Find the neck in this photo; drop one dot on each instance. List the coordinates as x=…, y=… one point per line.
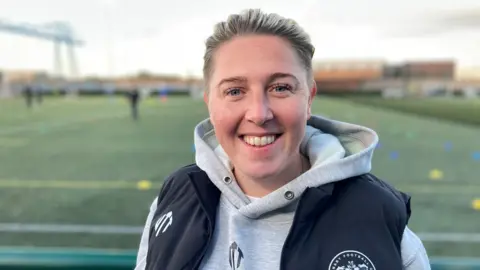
x=264, y=186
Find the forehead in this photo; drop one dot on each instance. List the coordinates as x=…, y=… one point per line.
x=255, y=57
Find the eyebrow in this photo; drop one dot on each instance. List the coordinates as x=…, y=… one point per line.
x=232, y=79
x=280, y=75
x=271, y=78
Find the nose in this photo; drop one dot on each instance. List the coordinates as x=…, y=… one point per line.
x=259, y=111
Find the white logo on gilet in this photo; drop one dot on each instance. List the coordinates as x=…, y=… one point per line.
x=351, y=260
x=163, y=223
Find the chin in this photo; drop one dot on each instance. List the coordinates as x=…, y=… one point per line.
x=262, y=170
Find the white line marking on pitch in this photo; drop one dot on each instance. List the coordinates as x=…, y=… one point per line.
x=61, y=228
x=64, y=184
x=48, y=125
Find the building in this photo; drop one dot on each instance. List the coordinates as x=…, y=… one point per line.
x=23, y=76
x=12, y=82
x=415, y=78
x=429, y=70
x=346, y=76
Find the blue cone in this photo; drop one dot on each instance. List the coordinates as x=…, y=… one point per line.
x=448, y=146
x=394, y=155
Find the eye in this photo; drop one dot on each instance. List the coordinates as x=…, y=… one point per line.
x=233, y=92
x=280, y=88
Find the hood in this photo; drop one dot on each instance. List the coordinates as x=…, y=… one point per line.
x=336, y=151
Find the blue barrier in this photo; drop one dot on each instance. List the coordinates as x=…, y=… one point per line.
x=80, y=259
x=76, y=259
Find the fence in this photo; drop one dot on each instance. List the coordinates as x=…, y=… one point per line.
x=14, y=258
x=60, y=259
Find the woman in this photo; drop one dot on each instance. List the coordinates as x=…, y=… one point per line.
x=269, y=191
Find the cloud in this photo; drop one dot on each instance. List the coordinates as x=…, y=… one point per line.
x=459, y=20
x=436, y=23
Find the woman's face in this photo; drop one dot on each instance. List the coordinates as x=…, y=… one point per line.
x=259, y=102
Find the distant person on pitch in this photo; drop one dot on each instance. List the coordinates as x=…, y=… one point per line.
x=133, y=98
x=28, y=94
x=273, y=186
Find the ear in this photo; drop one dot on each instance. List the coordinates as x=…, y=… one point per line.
x=205, y=97
x=311, y=96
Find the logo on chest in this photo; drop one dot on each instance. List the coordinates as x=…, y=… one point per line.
x=163, y=223
x=235, y=256
x=351, y=260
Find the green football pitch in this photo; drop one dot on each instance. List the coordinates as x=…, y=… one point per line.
x=85, y=162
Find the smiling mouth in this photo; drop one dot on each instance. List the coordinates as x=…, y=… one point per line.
x=260, y=141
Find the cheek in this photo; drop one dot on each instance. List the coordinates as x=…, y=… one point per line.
x=219, y=116
x=294, y=119
x=294, y=113
x=223, y=119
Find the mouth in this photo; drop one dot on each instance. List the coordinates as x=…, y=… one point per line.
x=260, y=141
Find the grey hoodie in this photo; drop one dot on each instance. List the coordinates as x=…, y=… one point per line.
x=336, y=151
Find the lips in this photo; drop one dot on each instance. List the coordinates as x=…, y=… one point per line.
x=260, y=141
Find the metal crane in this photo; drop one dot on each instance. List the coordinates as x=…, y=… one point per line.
x=60, y=33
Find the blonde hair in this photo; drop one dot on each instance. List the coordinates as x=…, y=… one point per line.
x=254, y=21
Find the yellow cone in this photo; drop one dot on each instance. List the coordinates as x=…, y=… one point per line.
x=144, y=185
x=476, y=204
x=435, y=174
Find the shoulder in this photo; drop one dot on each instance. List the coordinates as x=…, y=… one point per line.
x=179, y=181
x=370, y=193
x=180, y=175
x=391, y=196
x=377, y=190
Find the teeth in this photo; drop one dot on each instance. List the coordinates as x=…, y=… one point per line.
x=259, y=141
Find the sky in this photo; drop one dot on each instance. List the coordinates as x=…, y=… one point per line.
x=128, y=36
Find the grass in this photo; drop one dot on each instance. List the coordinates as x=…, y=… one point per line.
x=92, y=141
x=453, y=109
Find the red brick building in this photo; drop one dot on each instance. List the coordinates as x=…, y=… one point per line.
x=429, y=69
x=346, y=76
